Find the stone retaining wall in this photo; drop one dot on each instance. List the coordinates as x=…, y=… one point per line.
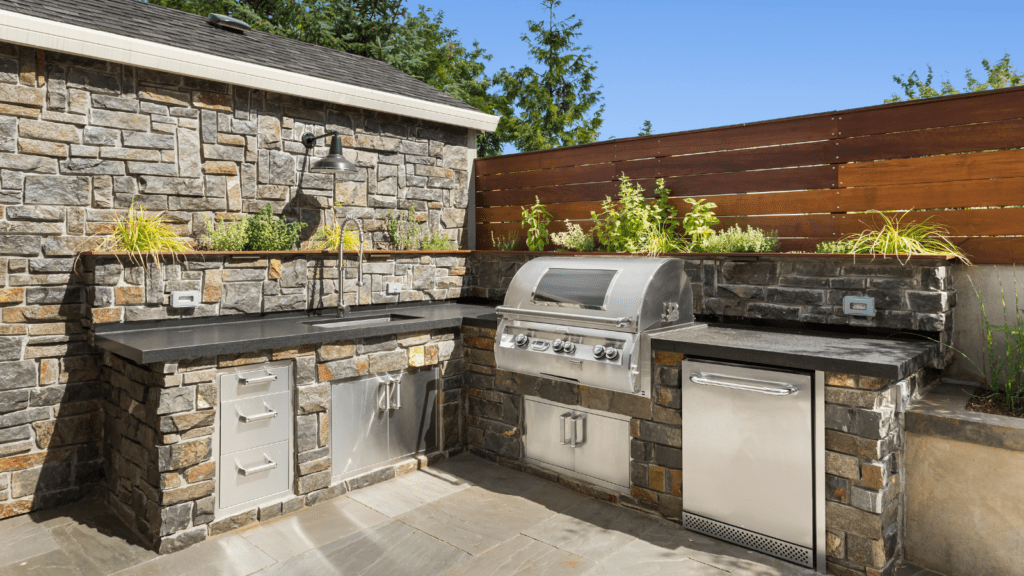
x=161, y=468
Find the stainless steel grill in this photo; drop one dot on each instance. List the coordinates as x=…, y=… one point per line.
x=588, y=320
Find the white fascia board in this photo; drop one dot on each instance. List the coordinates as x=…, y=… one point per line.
x=59, y=37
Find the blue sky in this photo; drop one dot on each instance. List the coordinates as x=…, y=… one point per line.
x=687, y=65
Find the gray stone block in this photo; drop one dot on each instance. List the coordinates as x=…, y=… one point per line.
x=181, y=540
x=175, y=518
x=14, y=375
x=96, y=136
x=57, y=190
x=148, y=140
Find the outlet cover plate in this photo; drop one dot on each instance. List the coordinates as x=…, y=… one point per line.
x=859, y=305
x=393, y=288
x=185, y=299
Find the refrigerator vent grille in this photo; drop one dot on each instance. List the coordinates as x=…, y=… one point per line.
x=748, y=539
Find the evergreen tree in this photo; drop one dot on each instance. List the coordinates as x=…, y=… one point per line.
x=555, y=106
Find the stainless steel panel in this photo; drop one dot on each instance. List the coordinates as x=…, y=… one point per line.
x=602, y=447
x=413, y=428
x=747, y=454
x=253, y=474
x=547, y=434
x=359, y=424
x=254, y=382
x=251, y=422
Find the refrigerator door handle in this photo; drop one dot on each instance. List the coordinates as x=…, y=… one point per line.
x=561, y=427
x=394, y=394
x=747, y=384
x=383, y=392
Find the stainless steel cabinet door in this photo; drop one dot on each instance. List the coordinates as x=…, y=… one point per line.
x=602, y=447
x=413, y=403
x=359, y=427
x=546, y=437
x=747, y=457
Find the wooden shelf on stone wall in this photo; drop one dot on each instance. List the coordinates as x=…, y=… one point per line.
x=280, y=253
x=731, y=255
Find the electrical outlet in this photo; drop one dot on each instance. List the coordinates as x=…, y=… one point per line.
x=859, y=305
x=393, y=288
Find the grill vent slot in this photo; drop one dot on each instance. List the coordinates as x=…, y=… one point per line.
x=748, y=539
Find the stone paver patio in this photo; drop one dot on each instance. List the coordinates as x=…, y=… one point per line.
x=462, y=517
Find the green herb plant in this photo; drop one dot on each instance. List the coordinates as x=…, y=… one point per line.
x=698, y=221
x=140, y=234
x=403, y=229
x=264, y=232
x=574, y=238
x=505, y=243
x=437, y=240
x=536, y=219
x=224, y=234
x=1005, y=372
x=735, y=239
x=898, y=238
x=632, y=224
x=326, y=238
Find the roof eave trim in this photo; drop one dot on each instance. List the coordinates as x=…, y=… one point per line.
x=51, y=35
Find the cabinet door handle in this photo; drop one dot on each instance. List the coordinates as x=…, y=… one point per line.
x=748, y=384
x=383, y=391
x=270, y=465
x=395, y=394
x=574, y=441
x=561, y=427
x=270, y=377
x=268, y=414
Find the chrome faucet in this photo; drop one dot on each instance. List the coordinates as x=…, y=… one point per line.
x=342, y=308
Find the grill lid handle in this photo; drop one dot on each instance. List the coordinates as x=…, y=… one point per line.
x=511, y=311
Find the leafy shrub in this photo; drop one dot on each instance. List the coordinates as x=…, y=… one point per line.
x=326, y=238
x=224, y=235
x=631, y=222
x=834, y=247
x=505, y=243
x=698, y=221
x=735, y=239
x=437, y=240
x=264, y=232
x=536, y=219
x=574, y=239
x=897, y=238
x=140, y=233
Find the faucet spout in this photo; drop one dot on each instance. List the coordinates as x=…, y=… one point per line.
x=342, y=309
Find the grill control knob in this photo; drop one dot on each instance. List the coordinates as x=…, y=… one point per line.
x=556, y=345
x=598, y=351
x=521, y=340
x=611, y=353
x=568, y=347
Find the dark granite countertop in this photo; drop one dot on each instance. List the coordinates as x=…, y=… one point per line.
x=178, y=340
x=801, y=349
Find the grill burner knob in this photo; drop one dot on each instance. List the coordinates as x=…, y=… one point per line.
x=611, y=353
x=521, y=340
x=598, y=351
x=556, y=345
x=568, y=347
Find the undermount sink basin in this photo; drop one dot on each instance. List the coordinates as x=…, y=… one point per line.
x=361, y=321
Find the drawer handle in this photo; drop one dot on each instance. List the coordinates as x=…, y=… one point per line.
x=264, y=416
x=772, y=388
x=270, y=465
x=270, y=377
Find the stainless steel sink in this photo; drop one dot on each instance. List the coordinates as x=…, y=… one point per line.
x=362, y=321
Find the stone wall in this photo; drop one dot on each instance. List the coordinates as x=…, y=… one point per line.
x=161, y=468
x=911, y=295
x=81, y=140
x=863, y=446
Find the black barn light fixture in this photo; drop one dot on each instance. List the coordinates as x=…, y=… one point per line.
x=334, y=162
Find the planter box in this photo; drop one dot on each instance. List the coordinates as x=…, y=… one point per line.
x=965, y=475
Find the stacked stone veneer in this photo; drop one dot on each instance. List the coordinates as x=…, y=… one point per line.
x=915, y=294
x=863, y=443
x=161, y=468
x=83, y=139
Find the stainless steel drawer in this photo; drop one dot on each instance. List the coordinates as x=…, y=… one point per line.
x=255, y=382
x=253, y=474
x=252, y=422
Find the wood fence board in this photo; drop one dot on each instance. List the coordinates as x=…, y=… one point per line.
x=806, y=178
x=787, y=131
x=933, y=113
x=993, y=250
x=950, y=140
x=974, y=166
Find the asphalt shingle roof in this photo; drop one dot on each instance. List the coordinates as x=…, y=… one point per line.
x=142, y=21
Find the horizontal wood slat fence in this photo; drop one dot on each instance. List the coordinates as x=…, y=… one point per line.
x=957, y=160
